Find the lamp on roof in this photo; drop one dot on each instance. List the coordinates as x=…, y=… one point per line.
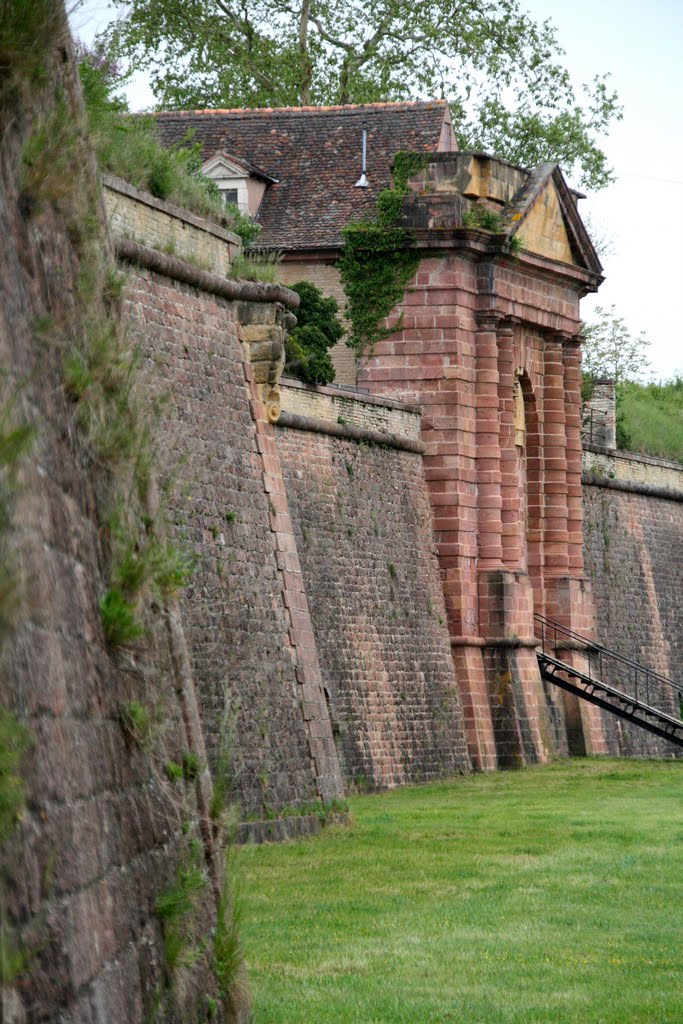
x=363, y=181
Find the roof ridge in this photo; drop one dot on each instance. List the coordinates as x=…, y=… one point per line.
x=306, y=109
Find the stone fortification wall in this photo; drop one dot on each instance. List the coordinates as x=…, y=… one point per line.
x=351, y=408
x=364, y=535
x=633, y=524
x=246, y=620
x=141, y=217
x=104, y=829
x=613, y=467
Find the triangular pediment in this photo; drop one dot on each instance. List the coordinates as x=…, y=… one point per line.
x=544, y=215
x=545, y=232
x=224, y=166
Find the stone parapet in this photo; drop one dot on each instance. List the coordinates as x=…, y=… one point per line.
x=141, y=217
x=349, y=408
x=614, y=467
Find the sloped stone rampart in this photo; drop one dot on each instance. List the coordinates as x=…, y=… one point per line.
x=364, y=535
x=239, y=612
x=100, y=837
x=633, y=524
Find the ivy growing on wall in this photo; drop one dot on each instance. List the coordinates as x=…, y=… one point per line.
x=379, y=259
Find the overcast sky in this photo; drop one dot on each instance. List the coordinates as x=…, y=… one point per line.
x=640, y=44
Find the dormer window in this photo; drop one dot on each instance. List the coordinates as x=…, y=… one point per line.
x=239, y=181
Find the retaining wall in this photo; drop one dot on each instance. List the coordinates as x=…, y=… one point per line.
x=246, y=620
x=364, y=534
x=141, y=217
x=633, y=546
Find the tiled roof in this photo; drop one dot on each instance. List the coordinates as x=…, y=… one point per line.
x=315, y=153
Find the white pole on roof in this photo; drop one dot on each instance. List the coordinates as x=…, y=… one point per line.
x=363, y=181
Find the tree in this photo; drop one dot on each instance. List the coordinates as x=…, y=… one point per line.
x=610, y=350
x=317, y=330
x=500, y=70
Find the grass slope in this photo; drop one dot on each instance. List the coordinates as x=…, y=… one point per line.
x=650, y=418
x=546, y=895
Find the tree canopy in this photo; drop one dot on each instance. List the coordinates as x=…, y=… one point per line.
x=501, y=71
x=611, y=351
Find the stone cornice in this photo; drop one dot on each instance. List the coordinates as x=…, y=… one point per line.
x=187, y=273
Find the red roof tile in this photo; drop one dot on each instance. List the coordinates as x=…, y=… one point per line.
x=315, y=153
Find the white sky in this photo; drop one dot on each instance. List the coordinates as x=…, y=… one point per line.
x=642, y=46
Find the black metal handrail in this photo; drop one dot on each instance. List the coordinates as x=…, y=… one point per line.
x=642, y=680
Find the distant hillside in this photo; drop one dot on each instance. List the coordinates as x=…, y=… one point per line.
x=650, y=418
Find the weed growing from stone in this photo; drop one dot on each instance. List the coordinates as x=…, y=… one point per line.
x=178, y=908
x=119, y=618
x=15, y=742
x=174, y=771
x=16, y=439
x=259, y=265
x=138, y=722
x=227, y=948
x=191, y=766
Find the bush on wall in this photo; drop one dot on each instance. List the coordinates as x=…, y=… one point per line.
x=317, y=330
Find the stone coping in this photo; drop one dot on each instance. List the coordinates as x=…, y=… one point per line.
x=187, y=273
x=115, y=184
x=648, y=460
x=348, y=432
x=632, y=487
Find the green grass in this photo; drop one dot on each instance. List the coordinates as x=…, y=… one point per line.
x=650, y=418
x=546, y=895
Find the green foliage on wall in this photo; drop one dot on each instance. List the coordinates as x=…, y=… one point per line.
x=317, y=330
x=379, y=259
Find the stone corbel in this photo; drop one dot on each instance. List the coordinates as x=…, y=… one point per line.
x=263, y=339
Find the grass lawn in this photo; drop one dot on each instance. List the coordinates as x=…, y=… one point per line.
x=549, y=894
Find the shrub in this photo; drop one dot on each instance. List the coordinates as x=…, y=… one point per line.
x=317, y=330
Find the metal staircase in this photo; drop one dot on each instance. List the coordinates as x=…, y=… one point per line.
x=641, y=696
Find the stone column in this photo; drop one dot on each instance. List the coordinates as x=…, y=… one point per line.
x=569, y=598
x=555, y=539
x=511, y=498
x=571, y=351
x=489, y=498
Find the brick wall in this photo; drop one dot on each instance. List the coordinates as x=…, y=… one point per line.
x=634, y=557
x=337, y=406
x=237, y=611
x=363, y=530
